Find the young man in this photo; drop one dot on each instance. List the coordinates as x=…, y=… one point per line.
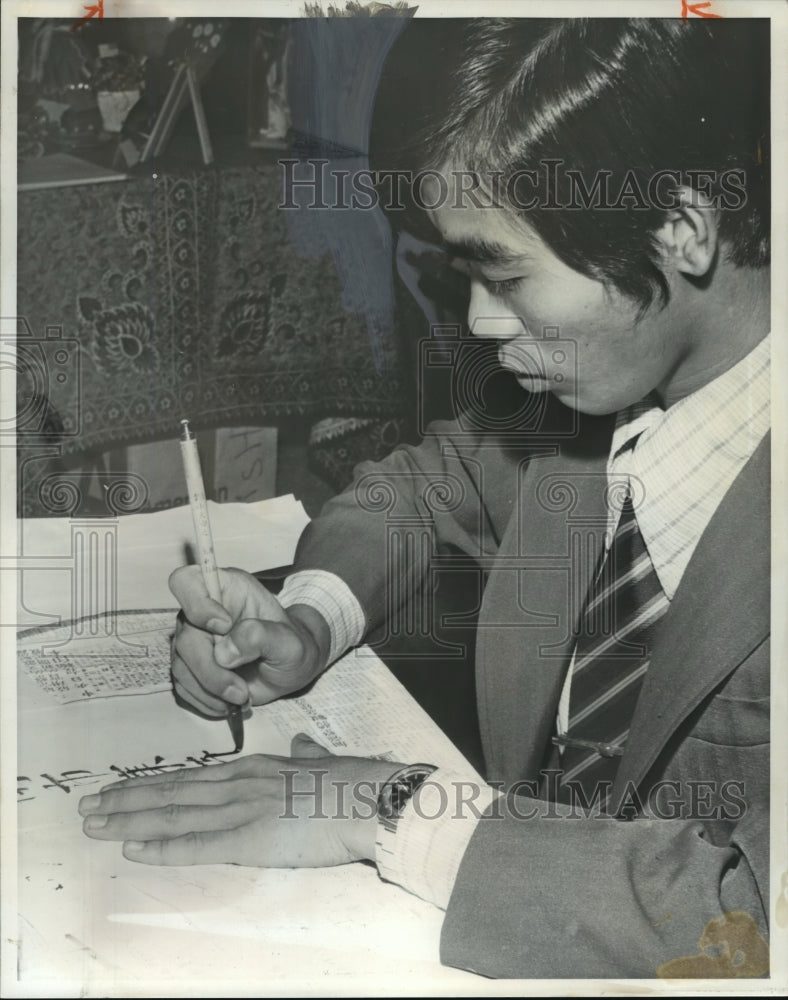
x=620, y=197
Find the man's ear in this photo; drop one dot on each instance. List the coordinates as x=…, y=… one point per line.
x=688, y=237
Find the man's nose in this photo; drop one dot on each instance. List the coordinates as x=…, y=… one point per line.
x=489, y=319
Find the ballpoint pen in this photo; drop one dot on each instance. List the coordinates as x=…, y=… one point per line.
x=204, y=539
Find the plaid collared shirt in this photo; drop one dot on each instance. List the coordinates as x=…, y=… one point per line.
x=686, y=458
x=682, y=464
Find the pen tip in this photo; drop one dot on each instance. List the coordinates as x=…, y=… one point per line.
x=236, y=720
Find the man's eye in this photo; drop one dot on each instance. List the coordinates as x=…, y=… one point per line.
x=502, y=287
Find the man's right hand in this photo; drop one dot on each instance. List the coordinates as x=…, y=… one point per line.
x=247, y=647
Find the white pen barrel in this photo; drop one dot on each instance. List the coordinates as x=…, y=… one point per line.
x=202, y=526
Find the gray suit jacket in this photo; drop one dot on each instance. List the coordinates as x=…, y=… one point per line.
x=558, y=895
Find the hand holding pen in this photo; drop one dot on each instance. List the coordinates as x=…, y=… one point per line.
x=210, y=573
x=230, y=622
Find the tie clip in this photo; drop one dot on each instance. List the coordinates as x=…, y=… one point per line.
x=603, y=749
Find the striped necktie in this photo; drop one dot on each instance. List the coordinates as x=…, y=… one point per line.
x=624, y=604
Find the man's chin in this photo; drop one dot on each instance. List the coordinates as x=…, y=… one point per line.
x=570, y=396
x=574, y=399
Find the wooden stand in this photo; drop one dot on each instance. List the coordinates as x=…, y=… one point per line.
x=185, y=81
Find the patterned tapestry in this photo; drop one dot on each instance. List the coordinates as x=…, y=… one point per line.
x=182, y=295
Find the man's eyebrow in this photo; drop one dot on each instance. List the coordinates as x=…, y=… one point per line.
x=483, y=251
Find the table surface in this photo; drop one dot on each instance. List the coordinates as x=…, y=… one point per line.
x=99, y=925
x=94, y=923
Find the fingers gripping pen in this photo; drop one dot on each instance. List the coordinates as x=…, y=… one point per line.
x=204, y=540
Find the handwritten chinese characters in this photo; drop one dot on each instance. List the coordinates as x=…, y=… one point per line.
x=29, y=788
x=135, y=659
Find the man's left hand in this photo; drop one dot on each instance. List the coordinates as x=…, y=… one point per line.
x=312, y=810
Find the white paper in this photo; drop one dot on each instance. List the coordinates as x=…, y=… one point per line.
x=139, y=551
x=89, y=916
x=110, y=654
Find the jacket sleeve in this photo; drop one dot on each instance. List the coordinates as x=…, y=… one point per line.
x=541, y=894
x=378, y=536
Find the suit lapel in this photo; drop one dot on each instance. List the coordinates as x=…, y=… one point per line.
x=532, y=599
x=720, y=612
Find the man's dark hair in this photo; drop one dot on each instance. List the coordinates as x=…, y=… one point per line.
x=630, y=97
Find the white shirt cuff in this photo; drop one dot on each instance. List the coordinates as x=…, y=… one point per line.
x=432, y=834
x=331, y=597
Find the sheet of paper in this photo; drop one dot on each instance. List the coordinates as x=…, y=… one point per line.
x=124, y=652
x=359, y=707
x=89, y=917
x=355, y=707
x=109, y=928
x=58, y=556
